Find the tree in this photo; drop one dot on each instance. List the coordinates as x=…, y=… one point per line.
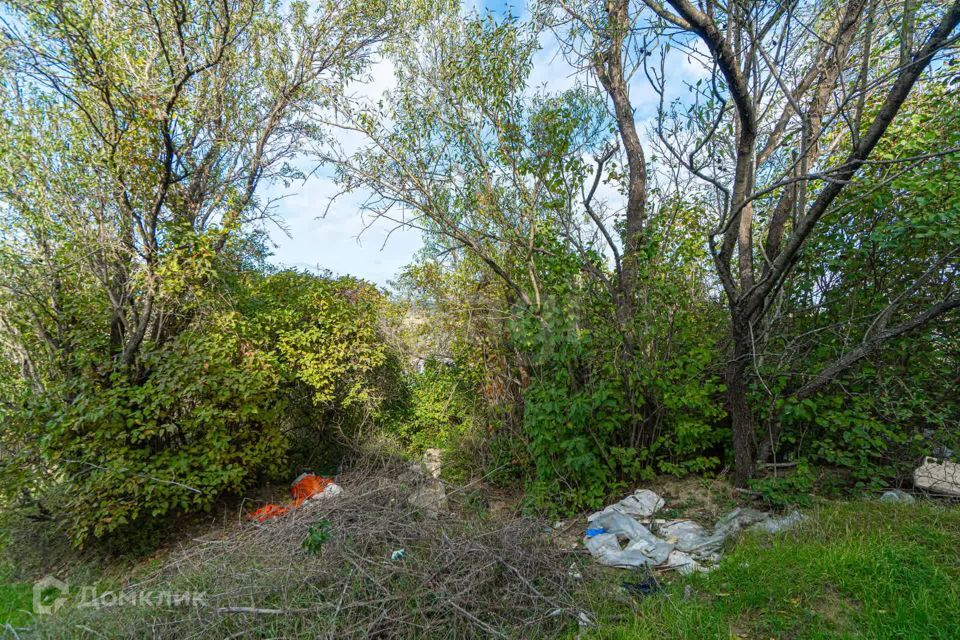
x=133, y=140
x=504, y=180
x=792, y=88
x=882, y=258
x=459, y=152
x=138, y=134
x=791, y=102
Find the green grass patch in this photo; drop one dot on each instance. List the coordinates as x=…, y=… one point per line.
x=16, y=601
x=854, y=570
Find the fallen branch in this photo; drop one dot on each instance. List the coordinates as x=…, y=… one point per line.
x=258, y=610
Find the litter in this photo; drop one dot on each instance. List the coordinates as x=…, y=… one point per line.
x=427, y=495
x=690, y=538
x=643, y=548
x=267, y=512
x=616, y=539
x=583, y=619
x=643, y=504
x=306, y=487
x=739, y=518
x=896, y=495
x=939, y=476
x=778, y=524
x=399, y=554
x=638, y=553
x=683, y=563
x=643, y=588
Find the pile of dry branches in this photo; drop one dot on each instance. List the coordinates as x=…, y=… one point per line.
x=457, y=577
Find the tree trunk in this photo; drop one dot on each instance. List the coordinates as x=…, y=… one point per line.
x=740, y=417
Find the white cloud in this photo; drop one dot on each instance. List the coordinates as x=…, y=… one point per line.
x=551, y=72
x=327, y=234
x=338, y=241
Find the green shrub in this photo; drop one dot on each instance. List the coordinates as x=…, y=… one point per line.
x=574, y=411
x=792, y=489
x=204, y=421
x=209, y=412
x=339, y=376
x=317, y=536
x=438, y=412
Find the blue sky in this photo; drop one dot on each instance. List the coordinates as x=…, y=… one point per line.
x=341, y=241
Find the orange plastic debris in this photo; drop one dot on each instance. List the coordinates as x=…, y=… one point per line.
x=302, y=489
x=307, y=486
x=267, y=512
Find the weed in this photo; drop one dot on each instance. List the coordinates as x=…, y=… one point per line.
x=317, y=535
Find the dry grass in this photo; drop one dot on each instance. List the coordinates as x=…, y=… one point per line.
x=461, y=577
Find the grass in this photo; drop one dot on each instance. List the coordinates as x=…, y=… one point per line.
x=16, y=601
x=854, y=570
x=30, y=550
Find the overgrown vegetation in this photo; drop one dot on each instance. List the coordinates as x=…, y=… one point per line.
x=728, y=244
x=161, y=363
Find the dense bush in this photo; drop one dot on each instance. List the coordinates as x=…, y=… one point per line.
x=576, y=302
x=210, y=412
x=203, y=421
x=597, y=418
x=575, y=410
x=326, y=336
x=565, y=410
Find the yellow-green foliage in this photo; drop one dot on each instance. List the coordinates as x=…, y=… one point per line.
x=326, y=334
x=439, y=411
x=203, y=421
x=207, y=411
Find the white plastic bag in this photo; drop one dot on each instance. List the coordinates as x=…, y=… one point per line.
x=940, y=476
x=643, y=503
x=642, y=548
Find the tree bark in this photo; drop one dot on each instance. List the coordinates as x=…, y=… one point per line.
x=741, y=420
x=610, y=72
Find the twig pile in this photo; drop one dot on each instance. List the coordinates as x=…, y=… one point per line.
x=457, y=577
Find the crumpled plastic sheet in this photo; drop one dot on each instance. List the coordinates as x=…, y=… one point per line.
x=616, y=539
x=778, y=524
x=642, y=504
x=683, y=563
x=897, y=496
x=643, y=548
x=939, y=476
